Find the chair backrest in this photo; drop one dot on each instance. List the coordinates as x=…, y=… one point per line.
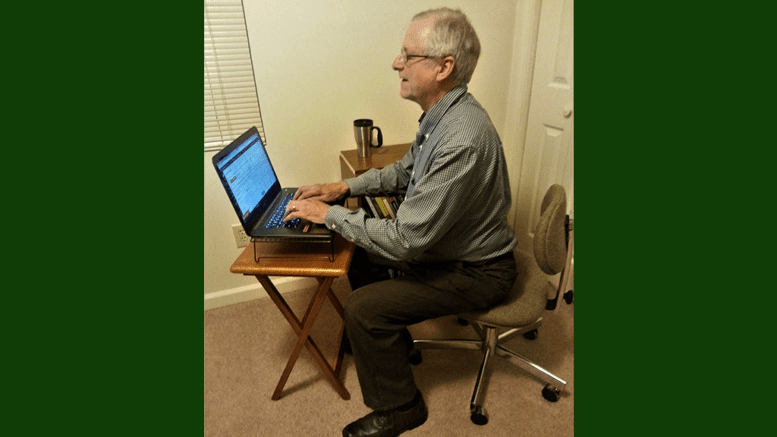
x=550, y=245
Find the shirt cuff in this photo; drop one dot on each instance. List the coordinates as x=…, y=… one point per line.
x=357, y=187
x=335, y=218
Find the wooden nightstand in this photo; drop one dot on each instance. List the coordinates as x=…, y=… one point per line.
x=352, y=166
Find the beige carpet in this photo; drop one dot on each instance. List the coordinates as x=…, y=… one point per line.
x=247, y=346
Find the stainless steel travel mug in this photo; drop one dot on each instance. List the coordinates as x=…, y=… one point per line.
x=362, y=132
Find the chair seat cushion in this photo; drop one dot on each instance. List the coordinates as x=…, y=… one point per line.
x=526, y=301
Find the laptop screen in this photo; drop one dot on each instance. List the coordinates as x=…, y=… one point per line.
x=248, y=176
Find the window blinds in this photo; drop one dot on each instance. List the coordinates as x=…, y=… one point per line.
x=231, y=101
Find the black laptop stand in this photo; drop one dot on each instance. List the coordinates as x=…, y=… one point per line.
x=289, y=249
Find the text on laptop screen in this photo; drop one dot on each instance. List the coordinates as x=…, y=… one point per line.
x=239, y=167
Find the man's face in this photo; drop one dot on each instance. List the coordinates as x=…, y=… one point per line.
x=418, y=75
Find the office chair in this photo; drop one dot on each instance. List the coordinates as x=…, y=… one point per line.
x=521, y=312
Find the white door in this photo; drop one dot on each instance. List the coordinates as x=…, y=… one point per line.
x=549, y=150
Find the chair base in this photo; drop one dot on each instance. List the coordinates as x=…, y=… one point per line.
x=490, y=345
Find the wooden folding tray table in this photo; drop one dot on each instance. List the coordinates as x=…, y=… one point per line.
x=323, y=261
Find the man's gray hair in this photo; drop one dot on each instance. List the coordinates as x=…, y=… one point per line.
x=453, y=35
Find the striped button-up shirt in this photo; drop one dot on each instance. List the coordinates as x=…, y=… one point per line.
x=457, y=191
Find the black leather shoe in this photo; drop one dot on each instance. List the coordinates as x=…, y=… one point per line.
x=389, y=423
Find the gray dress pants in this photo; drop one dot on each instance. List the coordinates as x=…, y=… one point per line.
x=379, y=310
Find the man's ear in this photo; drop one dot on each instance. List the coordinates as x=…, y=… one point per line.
x=446, y=68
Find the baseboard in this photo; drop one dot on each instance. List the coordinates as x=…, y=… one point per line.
x=249, y=292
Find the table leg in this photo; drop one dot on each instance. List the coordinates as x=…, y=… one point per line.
x=335, y=302
x=303, y=332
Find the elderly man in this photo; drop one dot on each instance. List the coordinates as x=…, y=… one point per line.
x=450, y=237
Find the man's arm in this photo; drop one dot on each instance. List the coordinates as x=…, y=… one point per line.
x=440, y=197
x=311, y=201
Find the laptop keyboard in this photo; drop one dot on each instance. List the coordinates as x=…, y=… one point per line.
x=276, y=221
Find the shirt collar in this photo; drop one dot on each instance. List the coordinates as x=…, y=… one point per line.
x=429, y=119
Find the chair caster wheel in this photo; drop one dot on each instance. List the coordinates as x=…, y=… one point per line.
x=530, y=335
x=569, y=297
x=479, y=416
x=551, y=393
x=415, y=358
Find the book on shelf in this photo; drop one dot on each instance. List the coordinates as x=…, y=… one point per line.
x=383, y=207
x=373, y=211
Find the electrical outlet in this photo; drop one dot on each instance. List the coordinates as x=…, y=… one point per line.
x=241, y=239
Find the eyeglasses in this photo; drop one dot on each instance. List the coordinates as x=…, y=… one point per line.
x=405, y=56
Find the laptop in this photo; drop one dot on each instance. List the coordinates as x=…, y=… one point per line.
x=249, y=178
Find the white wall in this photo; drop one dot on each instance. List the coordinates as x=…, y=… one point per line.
x=319, y=64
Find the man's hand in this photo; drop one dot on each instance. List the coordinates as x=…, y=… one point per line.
x=327, y=193
x=310, y=202
x=311, y=210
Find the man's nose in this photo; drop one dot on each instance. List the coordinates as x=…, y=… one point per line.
x=397, y=63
